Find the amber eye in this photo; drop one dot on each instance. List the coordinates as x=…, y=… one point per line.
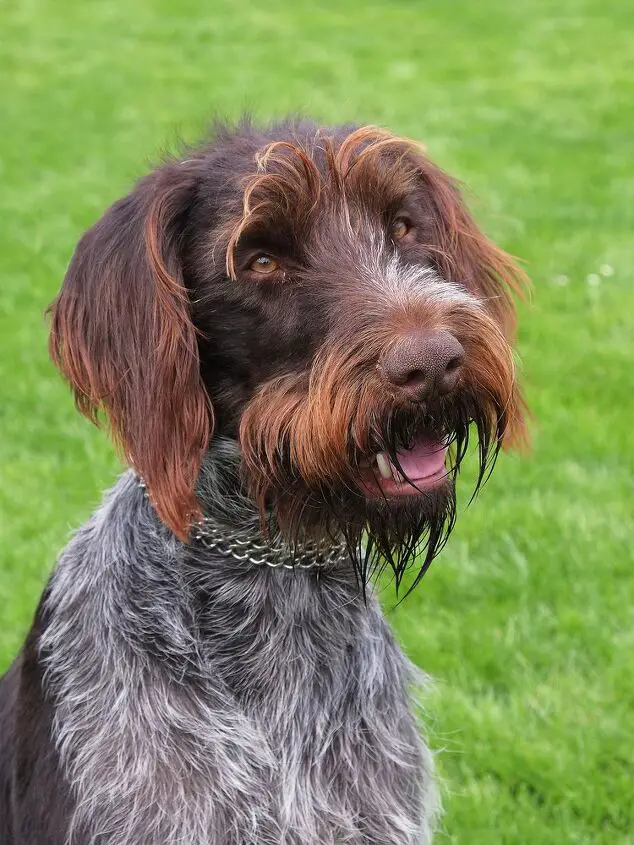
x=399, y=229
x=263, y=264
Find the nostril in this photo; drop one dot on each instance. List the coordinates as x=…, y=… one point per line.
x=416, y=377
x=448, y=380
x=403, y=376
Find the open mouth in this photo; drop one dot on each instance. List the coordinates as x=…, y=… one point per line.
x=419, y=468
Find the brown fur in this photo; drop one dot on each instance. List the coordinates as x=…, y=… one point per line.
x=139, y=359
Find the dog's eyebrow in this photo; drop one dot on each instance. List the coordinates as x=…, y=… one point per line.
x=265, y=238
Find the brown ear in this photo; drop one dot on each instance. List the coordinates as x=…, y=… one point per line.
x=122, y=335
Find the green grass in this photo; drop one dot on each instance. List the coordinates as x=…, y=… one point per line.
x=527, y=620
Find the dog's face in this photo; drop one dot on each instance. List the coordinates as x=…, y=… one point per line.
x=324, y=298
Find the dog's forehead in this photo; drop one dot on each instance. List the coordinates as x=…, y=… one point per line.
x=306, y=183
x=367, y=168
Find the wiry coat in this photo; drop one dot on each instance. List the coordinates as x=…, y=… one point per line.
x=296, y=328
x=196, y=701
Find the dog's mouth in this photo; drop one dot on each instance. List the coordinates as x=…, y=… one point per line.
x=409, y=471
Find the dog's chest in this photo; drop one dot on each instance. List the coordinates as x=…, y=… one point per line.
x=268, y=708
x=322, y=686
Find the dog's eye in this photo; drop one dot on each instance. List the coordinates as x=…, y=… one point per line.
x=264, y=264
x=399, y=229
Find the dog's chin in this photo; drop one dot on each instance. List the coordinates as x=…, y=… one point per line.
x=394, y=512
x=407, y=519
x=394, y=508
x=400, y=525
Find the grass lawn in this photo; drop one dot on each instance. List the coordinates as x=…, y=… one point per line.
x=527, y=620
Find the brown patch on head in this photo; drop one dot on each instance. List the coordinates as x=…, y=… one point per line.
x=290, y=183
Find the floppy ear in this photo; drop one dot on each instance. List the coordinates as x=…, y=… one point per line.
x=122, y=335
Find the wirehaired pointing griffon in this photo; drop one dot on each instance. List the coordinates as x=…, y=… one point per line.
x=293, y=333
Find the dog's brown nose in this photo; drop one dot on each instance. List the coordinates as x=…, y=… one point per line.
x=423, y=363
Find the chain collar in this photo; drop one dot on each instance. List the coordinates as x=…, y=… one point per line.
x=251, y=547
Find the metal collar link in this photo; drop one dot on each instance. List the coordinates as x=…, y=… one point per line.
x=249, y=546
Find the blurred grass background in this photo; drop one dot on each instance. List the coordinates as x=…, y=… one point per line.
x=527, y=620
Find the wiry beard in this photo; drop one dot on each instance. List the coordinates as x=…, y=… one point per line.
x=399, y=534
x=307, y=438
x=405, y=534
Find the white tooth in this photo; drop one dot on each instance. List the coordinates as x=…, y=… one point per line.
x=384, y=465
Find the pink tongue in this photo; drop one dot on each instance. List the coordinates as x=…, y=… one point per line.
x=425, y=458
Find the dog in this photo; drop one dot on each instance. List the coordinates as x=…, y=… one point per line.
x=292, y=333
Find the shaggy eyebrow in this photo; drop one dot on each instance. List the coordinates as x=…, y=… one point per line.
x=264, y=239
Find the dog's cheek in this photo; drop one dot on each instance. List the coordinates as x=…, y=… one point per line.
x=248, y=338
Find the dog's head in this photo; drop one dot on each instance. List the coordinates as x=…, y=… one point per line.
x=321, y=296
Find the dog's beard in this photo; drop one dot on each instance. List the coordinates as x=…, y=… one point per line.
x=401, y=534
x=394, y=534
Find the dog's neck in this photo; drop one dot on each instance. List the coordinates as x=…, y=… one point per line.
x=219, y=488
x=233, y=527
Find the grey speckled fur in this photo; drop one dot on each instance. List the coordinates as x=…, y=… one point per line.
x=202, y=702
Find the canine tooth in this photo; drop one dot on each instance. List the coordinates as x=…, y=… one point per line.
x=384, y=465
